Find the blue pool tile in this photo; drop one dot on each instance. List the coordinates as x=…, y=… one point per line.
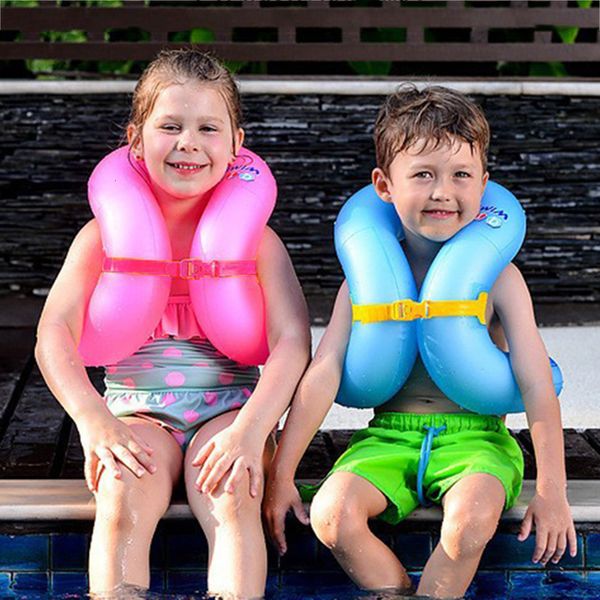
x=301, y=552
x=75, y=582
x=505, y=552
x=413, y=549
x=157, y=552
x=318, y=585
x=554, y=585
x=593, y=550
x=490, y=585
x=157, y=581
x=69, y=551
x=24, y=552
x=4, y=584
x=30, y=582
x=186, y=582
x=186, y=551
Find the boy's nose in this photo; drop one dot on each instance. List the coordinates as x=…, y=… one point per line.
x=441, y=191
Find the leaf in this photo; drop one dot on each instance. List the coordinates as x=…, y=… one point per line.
x=371, y=67
x=201, y=36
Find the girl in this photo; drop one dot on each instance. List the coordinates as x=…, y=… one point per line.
x=185, y=126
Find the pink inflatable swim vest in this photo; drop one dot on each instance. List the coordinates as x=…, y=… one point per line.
x=133, y=288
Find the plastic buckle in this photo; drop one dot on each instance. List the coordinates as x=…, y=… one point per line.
x=409, y=310
x=191, y=268
x=214, y=268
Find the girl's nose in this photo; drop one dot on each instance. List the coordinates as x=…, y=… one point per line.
x=187, y=142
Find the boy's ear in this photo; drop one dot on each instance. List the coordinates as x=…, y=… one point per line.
x=381, y=184
x=484, y=180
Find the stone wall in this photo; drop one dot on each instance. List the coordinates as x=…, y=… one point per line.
x=544, y=149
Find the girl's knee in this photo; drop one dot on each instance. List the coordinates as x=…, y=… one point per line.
x=237, y=505
x=336, y=522
x=124, y=504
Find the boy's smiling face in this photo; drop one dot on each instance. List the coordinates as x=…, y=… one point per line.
x=436, y=191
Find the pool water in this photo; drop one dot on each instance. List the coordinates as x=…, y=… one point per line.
x=514, y=585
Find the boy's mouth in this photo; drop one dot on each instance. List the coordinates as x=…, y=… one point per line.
x=440, y=214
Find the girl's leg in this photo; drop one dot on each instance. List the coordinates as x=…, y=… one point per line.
x=472, y=508
x=128, y=510
x=339, y=515
x=237, y=562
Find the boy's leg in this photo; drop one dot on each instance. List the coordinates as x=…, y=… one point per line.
x=237, y=563
x=339, y=516
x=472, y=508
x=128, y=510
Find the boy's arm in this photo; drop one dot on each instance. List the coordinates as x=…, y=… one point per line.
x=549, y=509
x=312, y=401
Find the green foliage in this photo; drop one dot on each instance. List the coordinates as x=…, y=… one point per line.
x=385, y=35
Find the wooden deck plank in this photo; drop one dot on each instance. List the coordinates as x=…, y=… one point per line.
x=31, y=440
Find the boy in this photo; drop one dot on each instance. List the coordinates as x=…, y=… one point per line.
x=431, y=149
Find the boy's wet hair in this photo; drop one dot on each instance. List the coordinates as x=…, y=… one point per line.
x=179, y=66
x=434, y=114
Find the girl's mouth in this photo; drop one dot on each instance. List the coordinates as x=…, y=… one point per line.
x=186, y=167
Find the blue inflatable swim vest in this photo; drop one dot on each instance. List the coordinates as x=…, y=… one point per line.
x=457, y=351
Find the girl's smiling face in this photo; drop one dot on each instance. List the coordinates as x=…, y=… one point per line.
x=187, y=141
x=436, y=190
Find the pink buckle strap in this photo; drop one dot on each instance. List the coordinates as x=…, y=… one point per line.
x=188, y=268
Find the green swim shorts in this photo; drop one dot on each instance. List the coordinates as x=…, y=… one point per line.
x=387, y=454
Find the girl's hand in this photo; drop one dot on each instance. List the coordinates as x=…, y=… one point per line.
x=230, y=452
x=281, y=496
x=554, y=528
x=106, y=443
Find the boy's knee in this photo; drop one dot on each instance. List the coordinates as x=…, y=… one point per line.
x=334, y=522
x=466, y=531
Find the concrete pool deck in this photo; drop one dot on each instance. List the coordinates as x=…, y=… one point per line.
x=577, y=351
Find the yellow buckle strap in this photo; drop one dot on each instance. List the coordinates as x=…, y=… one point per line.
x=409, y=310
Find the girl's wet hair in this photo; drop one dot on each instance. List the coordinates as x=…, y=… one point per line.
x=178, y=66
x=434, y=115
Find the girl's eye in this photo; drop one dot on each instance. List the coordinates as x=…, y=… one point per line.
x=423, y=174
x=170, y=127
x=208, y=128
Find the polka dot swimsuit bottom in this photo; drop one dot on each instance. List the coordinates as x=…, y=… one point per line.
x=179, y=384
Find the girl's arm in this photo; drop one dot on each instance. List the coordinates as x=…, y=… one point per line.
x=312, y=401
x=241, y=445
x=549, y=509
x=105, y=439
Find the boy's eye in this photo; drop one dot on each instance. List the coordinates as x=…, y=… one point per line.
x=423, y=174
x=462, y=174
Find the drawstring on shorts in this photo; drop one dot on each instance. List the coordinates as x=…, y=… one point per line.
x=432, y=432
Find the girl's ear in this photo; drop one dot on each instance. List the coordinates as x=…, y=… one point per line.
x=381, y=184
x=238, y=140
x=135, y=141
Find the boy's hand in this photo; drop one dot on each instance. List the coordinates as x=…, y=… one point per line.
x=231, y=453
x=280, y=497
x=554, y=528
x=107, y=442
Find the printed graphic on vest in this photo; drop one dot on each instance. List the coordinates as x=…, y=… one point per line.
x=242, y=167
x=494, y=217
